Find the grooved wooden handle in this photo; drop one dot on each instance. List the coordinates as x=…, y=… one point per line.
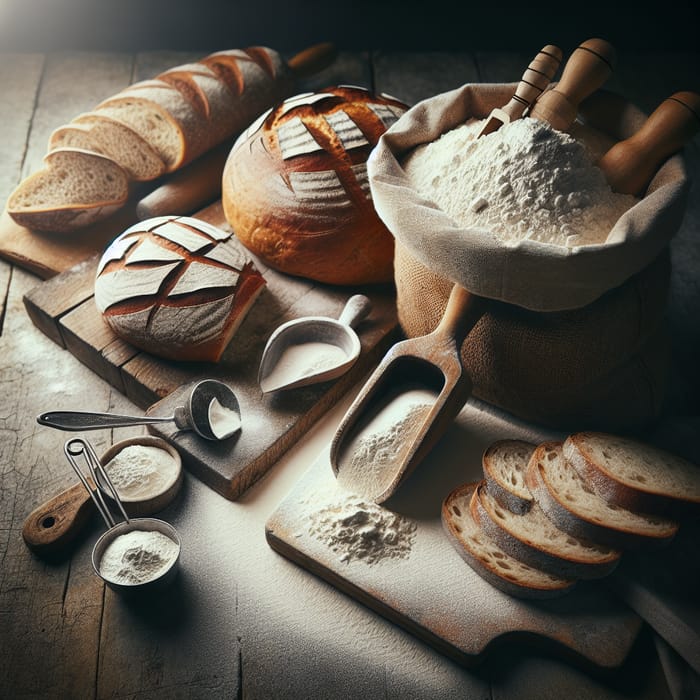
x=535, y=79
x=630, y=165
x=54, y=524
x=589, y=66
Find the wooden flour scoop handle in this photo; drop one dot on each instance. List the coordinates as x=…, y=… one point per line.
x=589, y=66
x=199, y=183
x=630, y=165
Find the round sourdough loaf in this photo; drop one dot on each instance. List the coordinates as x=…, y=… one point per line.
x=176, y=287
x=295, y=187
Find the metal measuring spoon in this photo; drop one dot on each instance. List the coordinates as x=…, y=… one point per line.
x=312, y=349
x=211, y=410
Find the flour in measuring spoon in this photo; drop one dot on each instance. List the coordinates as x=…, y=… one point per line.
x=140, y=472
x=368, y=464
x=137, y=557
x=223, y=421
x=302, y=360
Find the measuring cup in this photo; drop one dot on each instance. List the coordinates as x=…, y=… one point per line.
x=211, y=410
x=164, y=569
x=312, y=349
x=53, y=525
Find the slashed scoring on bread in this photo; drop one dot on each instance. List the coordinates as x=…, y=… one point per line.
x=177, y=287
x=295, y=187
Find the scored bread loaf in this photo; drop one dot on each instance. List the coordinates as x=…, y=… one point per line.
x=111, y=138
x=571, y=503
x=176, y=287
x=487, y=559
x=503, y=464
x=295, y=187
x=179, y=115
x=535, y=540
x=632, y=474
x=76, y=188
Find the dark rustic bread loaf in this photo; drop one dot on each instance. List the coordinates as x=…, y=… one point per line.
x=572, y=504
x=176, y=287
x=295, y=187
x=632, y=474
x=487, y=559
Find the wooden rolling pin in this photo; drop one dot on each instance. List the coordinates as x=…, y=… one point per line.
x=535, y=79
x=589, y=66
x=188, y=190
x=630, y=165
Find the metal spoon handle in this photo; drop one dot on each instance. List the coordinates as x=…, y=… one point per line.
x=86, y=420
x=356, y=309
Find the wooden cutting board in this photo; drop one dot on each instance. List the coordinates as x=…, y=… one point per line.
x=63, y=308
x=432, y=592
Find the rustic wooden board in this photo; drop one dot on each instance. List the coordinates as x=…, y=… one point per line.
x=63, y=308
x=433, y=593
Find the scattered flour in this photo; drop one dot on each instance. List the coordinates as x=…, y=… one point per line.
x=138, y=557
x=526, y=180
x=356, y=530
x=141, y=471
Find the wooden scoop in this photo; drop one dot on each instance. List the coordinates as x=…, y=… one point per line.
x=534, y=81
x=630, y=165
x=589, y=66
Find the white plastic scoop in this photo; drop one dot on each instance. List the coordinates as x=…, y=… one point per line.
x=312, y=349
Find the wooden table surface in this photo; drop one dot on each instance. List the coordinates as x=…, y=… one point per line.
x=241, y=621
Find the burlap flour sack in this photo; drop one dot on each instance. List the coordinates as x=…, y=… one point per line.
x=581, y=341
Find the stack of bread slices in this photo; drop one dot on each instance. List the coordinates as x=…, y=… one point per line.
x=147, y=130
x=546, y=516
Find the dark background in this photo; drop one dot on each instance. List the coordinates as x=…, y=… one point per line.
x=42, y=25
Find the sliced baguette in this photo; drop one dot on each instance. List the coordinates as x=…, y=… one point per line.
x=572, y=504
x=633, y=475
x=111, y=138
x=504, y=463
x=487, y=559
x=76, y=188
x=535, y=540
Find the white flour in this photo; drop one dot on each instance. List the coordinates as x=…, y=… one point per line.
x=223, y=421
x=368, y=463
x=139, y=472
x=356, y=530
x=138, y=557
x=526, y=180
x=301, y=360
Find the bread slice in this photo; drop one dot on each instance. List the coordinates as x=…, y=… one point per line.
x=572, y=504
x=504, y=463
x=490, y=561
x=632, y=474
x=535, y=540
x=111, y=138
x=76, y=188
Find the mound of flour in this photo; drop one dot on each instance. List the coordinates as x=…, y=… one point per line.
x=526, y=180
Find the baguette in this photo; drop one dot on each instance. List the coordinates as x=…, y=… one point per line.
x=574, y=507
x=180, y=114
x=504, y=463
x=487, y=559
x=633, y=475
x=76, y=188
x=535, y=540
x=113, y=139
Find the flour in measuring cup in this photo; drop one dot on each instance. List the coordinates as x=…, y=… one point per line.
x=524, y=181
x=137, y=557
x=139, y=472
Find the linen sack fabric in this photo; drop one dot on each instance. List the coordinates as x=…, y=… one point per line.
x=574, y=338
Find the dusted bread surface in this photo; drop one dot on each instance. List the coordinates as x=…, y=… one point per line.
x=176, y=287
x=295, y=187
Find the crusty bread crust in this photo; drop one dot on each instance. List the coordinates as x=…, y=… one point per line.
x=504, y=463
x=532, y=538
x=643, y=492
x=487, y=559
x=576, y=514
